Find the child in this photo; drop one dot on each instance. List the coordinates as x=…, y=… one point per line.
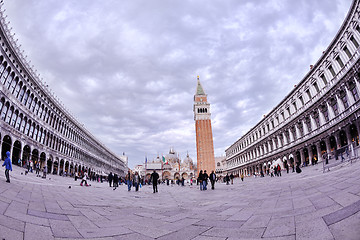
x=8, y=166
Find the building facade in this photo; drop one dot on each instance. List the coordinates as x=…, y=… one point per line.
x=318, y=118
x=171, y=167
x=204, y=137
x=35, y=126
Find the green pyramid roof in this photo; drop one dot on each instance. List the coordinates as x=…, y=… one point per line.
x=199, y=88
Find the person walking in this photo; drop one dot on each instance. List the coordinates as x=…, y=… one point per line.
x=128, y=179
x=45, y=169
x=31, y=166
x=136, y=181
x=200, y=180
x=232, y=178
x=37, y=169
x=115, y=181
x=212, y=180
x=8, y=166
x=279, y=170
x=84, y=179
x=205, y=179
x=242, y=177
x=154, y=178
x=110, y=178
x=227, y=179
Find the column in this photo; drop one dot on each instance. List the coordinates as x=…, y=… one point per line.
x=340, y=104
x=305, y=127
x=328, y=149
x=330, y=111
x=302, y=156
x=348, y=135
x=274, y=145
x=313, y=123
x=52, y=167
x=318, y=149
x=279, y=141
x=291, y=135
x=321, y=117
x=284, y=138
x=297, y=131
x=349, y=96
x=311, y=155
x=357, y=85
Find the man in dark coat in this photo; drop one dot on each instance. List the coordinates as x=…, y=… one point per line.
x=110, y=178
x=212, y=180
x=154, y=180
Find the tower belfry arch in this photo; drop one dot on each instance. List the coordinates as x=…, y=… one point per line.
x=203, y=129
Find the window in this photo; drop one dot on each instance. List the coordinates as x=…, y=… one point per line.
x=353, y=40
x=308, y=94
x=316, y=87
x=346, y=50
x=338, y=59
x=295, y=107
x=301, y=100
x=332, y=71
x=335, y=106
x=18, y=122
x=344, y=99
x=8, y=115
x=324, y=79
x=355, y=93
x=288, y=110
x=3, y=114
x=283, y=116
x=325, y=113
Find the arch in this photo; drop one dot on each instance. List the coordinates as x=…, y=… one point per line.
x=354, y=135
x=42, y=160
x=185, y=175
x=342, y=138
x=61, y=166
x=67, y=167
x=35, y=156
x=176, y=176
x=56, y=167
x=26, y=154
x=16, y=153
x=49, y=164
x=6, y=146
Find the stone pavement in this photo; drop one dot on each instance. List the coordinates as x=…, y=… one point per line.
x=310, y=205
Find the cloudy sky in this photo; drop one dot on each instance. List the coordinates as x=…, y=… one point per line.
x=127, y=69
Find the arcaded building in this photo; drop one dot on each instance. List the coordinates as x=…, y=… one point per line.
x=318, y=118
x=35, y=126
x=203, y=129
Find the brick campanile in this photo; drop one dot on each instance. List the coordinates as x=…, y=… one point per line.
x=204, y=137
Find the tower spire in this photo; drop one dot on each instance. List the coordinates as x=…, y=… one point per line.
x=199, y=88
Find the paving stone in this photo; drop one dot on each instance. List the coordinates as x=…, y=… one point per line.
x=47, y=215
x=12, y=223
x=342, y=213
x=63, y=229
x=187, y=233
x=235, y=232
x=9, y=234
x=36, y=232
x=347, y=229
x=316, y=229
x=133, y=236
x=103, y=232
x=280, y=227
x=257, y=221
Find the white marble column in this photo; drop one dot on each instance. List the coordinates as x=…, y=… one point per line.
x=312, y=123
x=305, y=127
x=340, y=104
x=349, y=96
x=330, y=111
x=321, y=117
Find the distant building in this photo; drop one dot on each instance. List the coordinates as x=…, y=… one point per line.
x=170, y=167
x=220, y=166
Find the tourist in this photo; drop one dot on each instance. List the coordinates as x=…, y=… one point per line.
x=136, y=180
x=287, y=167
x=115, y=181
x=205, y=179
x=31, y=166
x=232, y=178
x=76, y=176
x=227, y=179
x=128, y=179
x=110, y=178
x=8, y=166
x=212, y=180
x=154, y=178
x=37, y=169
x=200, y=180
x=279, y=170
x=242, y=177
x=298, y=170
x=84, y=179
x=45, y=169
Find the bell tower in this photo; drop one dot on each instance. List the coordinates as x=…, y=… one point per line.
x=204, y=137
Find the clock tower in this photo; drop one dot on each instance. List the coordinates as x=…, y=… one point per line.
x=204, y=137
